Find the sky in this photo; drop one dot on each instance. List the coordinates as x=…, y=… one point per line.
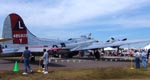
x=64, y=19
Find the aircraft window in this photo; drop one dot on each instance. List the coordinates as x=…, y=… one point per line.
x=124, y=39
x=54, y=46
x=63, y=44
x=45, y=46
x=89, y=38
x=69, y=39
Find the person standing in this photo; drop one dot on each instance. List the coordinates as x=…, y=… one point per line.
x=45, y=59
x=1, y=49
x=148, y=55
x=26, y=56
x=144, y=56
x=97, y=54
x=137, y=59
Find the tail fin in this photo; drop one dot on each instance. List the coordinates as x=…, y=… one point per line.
x=15, y=28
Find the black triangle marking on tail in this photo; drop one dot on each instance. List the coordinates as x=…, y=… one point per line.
x=19, y=25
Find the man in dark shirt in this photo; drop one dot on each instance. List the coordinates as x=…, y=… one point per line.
x=148, y=54
x=97, y=54
x=26, y=56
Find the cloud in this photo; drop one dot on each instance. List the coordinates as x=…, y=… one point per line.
x=141, y=21
x=67, y=16
x=60, y=34
x=60, y=14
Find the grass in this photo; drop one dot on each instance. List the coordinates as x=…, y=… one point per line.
x=111, y=73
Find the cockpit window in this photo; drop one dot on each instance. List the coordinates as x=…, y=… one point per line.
x=69, y=39
x=63, y=44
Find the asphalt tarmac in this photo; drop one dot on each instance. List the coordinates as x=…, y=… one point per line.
x=8, y=64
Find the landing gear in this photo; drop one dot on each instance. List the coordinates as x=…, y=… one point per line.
x=71, y=54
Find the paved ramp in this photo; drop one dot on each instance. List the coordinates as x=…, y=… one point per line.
x=8, y=63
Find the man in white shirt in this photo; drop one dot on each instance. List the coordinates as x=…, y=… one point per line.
x=45, y=59
x=144, y=56
x=137, y=59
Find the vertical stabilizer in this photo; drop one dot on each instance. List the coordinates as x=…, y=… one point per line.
x=15, y=28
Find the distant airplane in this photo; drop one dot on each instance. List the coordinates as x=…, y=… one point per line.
x=114, y=43
x=15, y=28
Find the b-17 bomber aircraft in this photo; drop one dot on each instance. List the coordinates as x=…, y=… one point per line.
x=15, y=29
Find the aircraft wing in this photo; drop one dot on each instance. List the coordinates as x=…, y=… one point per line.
x=5, y=39
x=76, y=48
x=117, y=43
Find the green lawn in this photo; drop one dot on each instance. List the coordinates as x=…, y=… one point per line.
x=111, y=73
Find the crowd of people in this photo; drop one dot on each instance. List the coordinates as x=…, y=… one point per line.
x=141, y=56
